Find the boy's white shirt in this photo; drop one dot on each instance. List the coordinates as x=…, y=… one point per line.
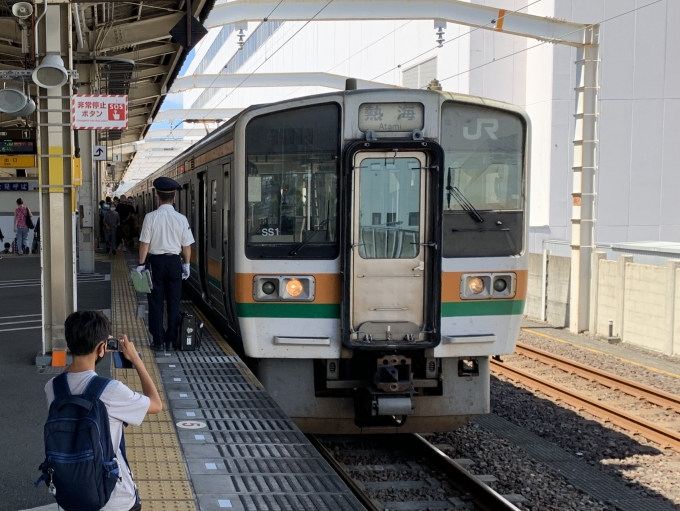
x=122, y=405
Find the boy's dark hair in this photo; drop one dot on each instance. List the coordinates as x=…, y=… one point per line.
x=84, y=331
x=166, y=196
x=7, y=245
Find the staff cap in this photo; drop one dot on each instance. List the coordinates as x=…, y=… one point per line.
x=165, y=184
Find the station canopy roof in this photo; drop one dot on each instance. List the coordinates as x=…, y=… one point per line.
x=130, y=46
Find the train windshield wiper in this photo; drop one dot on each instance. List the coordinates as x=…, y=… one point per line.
x=452, y=191
x=310, y=237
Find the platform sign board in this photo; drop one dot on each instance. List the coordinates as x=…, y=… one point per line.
x=99, y=153
x=99, y=111
x=17, y=162
x=14, y=187
x=17, y=141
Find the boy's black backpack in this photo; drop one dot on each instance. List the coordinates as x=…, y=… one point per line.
x=80, y=466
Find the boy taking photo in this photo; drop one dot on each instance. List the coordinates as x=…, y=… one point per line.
x=111, y=485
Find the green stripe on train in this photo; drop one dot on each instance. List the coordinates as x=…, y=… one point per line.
x=288, y=310
x=483, y=308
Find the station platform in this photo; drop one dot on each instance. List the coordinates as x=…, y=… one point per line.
x=221, y=442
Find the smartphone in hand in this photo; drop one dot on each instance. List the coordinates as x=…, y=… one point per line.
x=120, y=362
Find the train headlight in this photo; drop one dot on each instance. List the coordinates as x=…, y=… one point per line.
x=500, y=285
x=279, y=288
x=476, y=285
x=294, y=288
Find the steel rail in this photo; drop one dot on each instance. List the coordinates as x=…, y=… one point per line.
x=358, y=492
x=622, y=419
x=613, y=381
x=483, y=496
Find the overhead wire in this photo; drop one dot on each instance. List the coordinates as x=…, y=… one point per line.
x=553, y=40
x=273, y=53
x=492, y=22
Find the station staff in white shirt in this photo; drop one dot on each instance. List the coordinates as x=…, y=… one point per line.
x=165, y=235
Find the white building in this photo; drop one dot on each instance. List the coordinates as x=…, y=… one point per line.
x=638, y=177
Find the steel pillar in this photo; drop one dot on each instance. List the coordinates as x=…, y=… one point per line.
x=57, y=215
x=87, y=198
x=583, y=192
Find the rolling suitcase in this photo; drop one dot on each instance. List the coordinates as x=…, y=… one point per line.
x=189, y=338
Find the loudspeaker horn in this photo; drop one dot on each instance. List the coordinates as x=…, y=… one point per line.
x=12, y=100
x=22, y=10
x=51, y=72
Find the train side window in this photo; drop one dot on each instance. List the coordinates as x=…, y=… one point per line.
x=292, y=160
x=213, y=213
x=192, y=220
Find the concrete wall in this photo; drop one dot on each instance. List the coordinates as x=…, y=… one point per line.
x=606, y=297
x=557, y=293
x=644, y=305
x=642, y=300
x=533, y=305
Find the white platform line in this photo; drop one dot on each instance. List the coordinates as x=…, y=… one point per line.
x=19, y=322
x=24, y=328
x=21, y=316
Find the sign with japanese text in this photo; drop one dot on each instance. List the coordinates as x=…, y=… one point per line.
x=14, y=187
x=17, y=162
x=391, y=116
x=99, y=112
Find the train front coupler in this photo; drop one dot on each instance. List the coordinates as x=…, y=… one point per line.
x=389, y=399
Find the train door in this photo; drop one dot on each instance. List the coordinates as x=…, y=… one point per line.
x=389, y=222
x=226, y=246
x=201, y=240
x=215, y=178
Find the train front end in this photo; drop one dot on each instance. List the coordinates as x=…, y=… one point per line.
x=386, y=256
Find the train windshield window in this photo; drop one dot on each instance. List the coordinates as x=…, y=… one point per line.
x=483, y=181
x=292, y=183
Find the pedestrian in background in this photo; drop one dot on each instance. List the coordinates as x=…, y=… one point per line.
x=111, y=225
x=21, y=214
x=165, y=234
x=105, y=207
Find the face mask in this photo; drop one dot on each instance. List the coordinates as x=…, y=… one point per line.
x=99, y=359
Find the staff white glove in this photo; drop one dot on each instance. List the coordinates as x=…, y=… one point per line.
x=185, y=271
x=140, y=269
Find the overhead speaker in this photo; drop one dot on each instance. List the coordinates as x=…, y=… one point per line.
x=22, y=10
x=12, y=100
x=51, y=72
x=27, y=110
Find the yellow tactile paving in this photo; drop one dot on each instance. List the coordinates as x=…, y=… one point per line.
x=150, y=440
x=169, y=470
x=167, y=505
x=159, y=490
x=153, y=448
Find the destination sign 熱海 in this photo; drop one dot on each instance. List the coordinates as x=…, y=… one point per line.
x=391, y=116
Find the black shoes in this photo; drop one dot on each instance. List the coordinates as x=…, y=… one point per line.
x=157, y=347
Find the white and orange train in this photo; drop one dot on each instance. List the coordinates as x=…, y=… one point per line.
x=367, y=250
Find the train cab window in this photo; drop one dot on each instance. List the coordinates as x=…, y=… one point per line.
x=292, y=183
x=484, y=203
x=213, y=213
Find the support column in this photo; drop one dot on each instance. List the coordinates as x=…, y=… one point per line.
x=583, y=194
x=619, y=320
x=56, y=183
x=87, y=209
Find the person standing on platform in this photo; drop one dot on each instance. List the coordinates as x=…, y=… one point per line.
x=21, y=214
x=111, y=224
x=165, y=234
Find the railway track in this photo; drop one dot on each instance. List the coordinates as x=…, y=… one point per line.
x=471, y=488
x=626, y=420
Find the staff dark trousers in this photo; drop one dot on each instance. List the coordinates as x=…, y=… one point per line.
x=166, y=271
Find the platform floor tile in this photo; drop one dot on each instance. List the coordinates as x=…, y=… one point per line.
x=245, y=453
